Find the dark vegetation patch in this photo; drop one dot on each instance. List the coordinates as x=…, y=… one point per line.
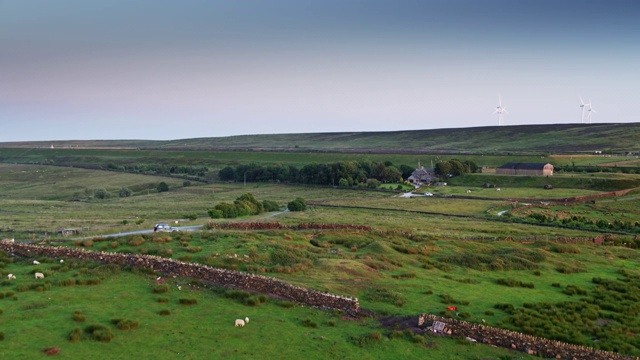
x=514, y=283
x=501, y=259
x=385, y=295
x=605, y=317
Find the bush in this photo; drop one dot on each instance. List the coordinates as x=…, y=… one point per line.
x=184, y=301
x=75, y=335
x=270, y=205
x=309, y=323
x=163, y=187
x=297, y=205
x=78, y=317
x=514, y=283
x=504, y=307
x=367, y=339
x=125, y=192
x=165, y=312
x=192, y=216
x=101, y=194
x=100, y=333
x=161, y=289
x=125, y=324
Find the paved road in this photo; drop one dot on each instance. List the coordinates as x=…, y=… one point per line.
x=180, y=228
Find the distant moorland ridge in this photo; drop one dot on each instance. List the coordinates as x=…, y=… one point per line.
x=556, y=138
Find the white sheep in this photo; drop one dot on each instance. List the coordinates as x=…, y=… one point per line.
x=239, y=322
x=61, y=261
x=11, y=277
x=36, y=262
x=246, y=320
x=39, y=275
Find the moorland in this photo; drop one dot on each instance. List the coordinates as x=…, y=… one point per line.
x=561, y=264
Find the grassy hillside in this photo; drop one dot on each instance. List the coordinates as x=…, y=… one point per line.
x=557, y=138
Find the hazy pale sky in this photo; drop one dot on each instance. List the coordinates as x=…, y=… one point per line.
x=160, y=69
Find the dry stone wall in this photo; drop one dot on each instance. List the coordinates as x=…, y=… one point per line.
x=514, y=340
x=205, y=273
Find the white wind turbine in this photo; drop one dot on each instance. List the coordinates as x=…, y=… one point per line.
x=589, y=111
x=500, y=110
x=582, y=108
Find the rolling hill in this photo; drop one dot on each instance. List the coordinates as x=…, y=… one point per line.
x=523, y=139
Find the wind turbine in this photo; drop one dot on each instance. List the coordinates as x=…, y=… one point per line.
x=582, y=108
x=589, y=111
x=500, y=110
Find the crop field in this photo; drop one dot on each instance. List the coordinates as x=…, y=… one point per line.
x=422, y=254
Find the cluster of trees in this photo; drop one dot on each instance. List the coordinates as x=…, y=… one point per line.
x=161, y=169
x=342, y=173
x=247, y=204
x=455, y=167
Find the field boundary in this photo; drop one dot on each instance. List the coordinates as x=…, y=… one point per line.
x=529, y=344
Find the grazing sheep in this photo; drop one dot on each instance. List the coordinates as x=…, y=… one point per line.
x=36, y=262
x=246, y=320
x=11, y=277
x=39, y=275
x=239, y=322
x=61, y=261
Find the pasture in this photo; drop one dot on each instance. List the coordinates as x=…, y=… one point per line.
x=421, y=255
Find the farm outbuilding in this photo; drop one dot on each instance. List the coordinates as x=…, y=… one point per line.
x=534, y=169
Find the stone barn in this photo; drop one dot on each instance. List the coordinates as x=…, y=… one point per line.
x=532, y=169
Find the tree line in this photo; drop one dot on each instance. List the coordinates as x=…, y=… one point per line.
x=341, y=173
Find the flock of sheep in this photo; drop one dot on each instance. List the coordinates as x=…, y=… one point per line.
x=38, y=275
x=241, y=323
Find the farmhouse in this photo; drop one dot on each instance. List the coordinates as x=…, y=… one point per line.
x=535, y=169
x=422, y=175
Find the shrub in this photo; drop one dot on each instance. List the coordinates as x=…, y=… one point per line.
x=331, y=322
x=163, y=300
x=78, y=317
x=125, y=324
x=136, y=241
x=309, y=323
x=489, y=313
x=367, y=339
x=297, y=205
x=75, y=335
x=163, y=187
x=194, y=249
x=99, y=333
x=165, y=312
x=514, y=283
x=160, y=289
x=185, y=258
x=504, y=307
x=1, y=335
x=185, y=301
x=192, y=216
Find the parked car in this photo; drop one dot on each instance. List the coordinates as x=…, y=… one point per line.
x=428, y=194
x=164, y=228
x=548, y=187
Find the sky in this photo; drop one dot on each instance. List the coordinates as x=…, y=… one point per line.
x=165, y=70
